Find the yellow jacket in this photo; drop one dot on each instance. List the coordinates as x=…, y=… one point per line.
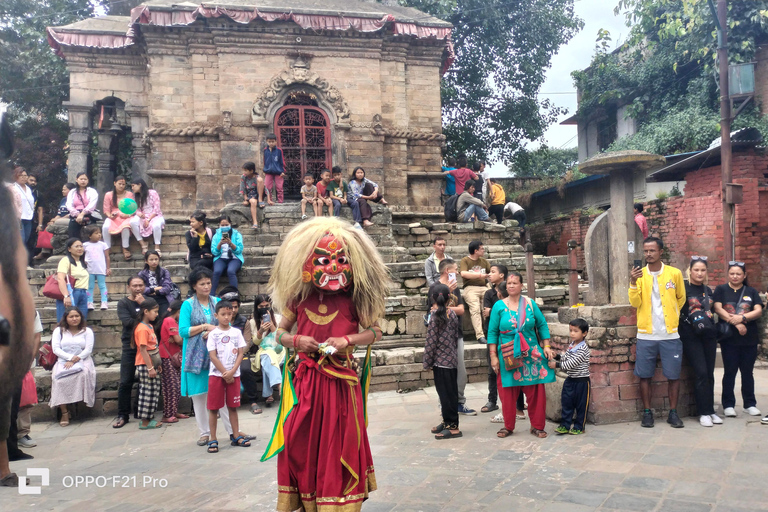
x=672, y=292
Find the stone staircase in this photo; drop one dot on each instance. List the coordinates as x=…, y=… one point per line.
x=403, y=247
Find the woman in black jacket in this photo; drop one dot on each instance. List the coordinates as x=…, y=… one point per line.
x=199, y=242
x=697, y=332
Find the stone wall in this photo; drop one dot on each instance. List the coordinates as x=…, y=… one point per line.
x=615, y=389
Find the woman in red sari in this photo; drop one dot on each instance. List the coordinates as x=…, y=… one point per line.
x=330, y=282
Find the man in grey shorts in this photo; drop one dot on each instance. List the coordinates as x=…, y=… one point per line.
x=658, y=293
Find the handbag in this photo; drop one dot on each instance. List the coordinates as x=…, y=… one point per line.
x=154, y=356
x=508, y=349
x=46, y=358
x=724, y=329
x=701, y=321
x=176, y=359
x=28, y=390
x=44, y=239
x=51, y=287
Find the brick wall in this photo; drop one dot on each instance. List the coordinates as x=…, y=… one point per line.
x=551, y=238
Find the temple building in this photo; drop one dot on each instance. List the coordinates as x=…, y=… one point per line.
x=191, y=92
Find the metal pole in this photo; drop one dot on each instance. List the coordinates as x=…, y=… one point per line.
x=529, y=271
x=573, y=274
x=725, y=127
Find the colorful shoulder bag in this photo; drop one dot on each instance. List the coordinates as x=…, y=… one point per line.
x=514, y=351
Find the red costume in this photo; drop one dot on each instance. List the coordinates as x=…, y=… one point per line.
x=326, y=462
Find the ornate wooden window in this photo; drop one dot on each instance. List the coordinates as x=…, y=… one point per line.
x=304, y=134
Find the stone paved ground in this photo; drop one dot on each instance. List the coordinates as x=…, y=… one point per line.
x=616, y=467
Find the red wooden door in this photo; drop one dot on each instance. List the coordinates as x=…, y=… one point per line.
x=304, y=134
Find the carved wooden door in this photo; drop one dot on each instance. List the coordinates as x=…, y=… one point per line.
x=304, y=134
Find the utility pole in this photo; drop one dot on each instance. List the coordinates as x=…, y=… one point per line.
x=725, y=127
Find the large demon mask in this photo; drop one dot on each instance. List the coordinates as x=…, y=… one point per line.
x=328, y=267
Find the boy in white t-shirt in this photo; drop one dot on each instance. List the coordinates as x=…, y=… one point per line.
x=98, y=264
x=225, y=347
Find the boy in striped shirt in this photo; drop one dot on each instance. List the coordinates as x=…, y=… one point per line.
x=577, y=388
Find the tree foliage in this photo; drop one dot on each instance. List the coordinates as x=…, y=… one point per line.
x=665, y=73
x=544, y=162
x=503, y=49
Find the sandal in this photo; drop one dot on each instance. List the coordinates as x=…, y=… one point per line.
x=213, y=446
x=438, y=428
x=120, y=423
x=447, y=434
x=127, y=255
x=488, y=407
x=538, y=433
x=520, y=415
x=182, y=416
x=159, y=252
x=172, y=419
x=202, y=441
x=502, y=433
x=270, y=400
x=152, y=424
x=64, y=419
x=499, y=418
x=11, y=480
x=144, y=248
x=262, y=204
x=245, y=436
x=255, y=409
x=240, y=441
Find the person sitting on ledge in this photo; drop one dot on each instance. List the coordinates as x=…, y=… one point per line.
x=470, y=207
x=362, y=190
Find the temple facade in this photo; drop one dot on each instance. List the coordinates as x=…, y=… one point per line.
x=198, y=88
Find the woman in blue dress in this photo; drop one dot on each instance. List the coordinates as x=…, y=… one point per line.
x=518, y=357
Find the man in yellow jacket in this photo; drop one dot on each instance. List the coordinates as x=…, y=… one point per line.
x=658, y=293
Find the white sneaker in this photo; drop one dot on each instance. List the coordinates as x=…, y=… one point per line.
x=753, y=411
x=303, y=217
x=717, y=420
x=104, y=306
x=90, y=306
x=705, y=421
x=764, y=421
x=729, y=412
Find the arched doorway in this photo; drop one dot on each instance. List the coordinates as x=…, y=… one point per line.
x=304, y=134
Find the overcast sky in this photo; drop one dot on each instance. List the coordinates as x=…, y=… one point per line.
x=577, y=54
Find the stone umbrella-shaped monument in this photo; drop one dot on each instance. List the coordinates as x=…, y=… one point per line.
x=612, y=244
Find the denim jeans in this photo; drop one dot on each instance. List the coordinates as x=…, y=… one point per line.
x=220, y=266
x=476, y=210
x=79, y=300
x=102, y=280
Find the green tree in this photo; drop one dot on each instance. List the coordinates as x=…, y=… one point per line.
x=664, y=72
x=544, y=162
x=503, y=49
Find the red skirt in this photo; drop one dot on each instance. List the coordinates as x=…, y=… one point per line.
x=326, y=464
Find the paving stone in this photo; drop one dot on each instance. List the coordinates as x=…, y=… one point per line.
x=621, y=501
x=670, y=505
x=582, y=497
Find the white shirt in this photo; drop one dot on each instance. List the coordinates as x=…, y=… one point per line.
x=27, y=201
x=225, y=343
x=512, y=207
x=66, y=346
x=95, y=259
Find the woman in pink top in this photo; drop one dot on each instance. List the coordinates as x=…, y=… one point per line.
x=81, y=203
x=149, y=214
x=118, y=223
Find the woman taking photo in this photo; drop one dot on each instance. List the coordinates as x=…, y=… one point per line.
x=199, y=242
x=271, y=355
x=517, y=358
x=81, y=203
x=738, y=307
x=697, y=332
x=73, y=265
x=118, y=223
x=157, y=281
x=74, y=376
x=227, y=249
x=362, y=190
x=149, y=216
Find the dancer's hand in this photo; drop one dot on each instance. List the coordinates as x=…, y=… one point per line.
x=306, y=343
x=337, y=343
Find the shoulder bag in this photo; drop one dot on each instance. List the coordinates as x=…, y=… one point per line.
x=508, y=349
x=724, y=329
x=51, y=287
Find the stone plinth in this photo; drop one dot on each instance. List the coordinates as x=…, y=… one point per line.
x=615, y=388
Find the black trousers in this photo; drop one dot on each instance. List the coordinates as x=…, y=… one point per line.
x=127, y=378
x=575, y=402
x=447, y=387
x=250, y=382
x=13, y=432
x=520, y=217
x=496, y=210
x=738, y=358
x=701, y=352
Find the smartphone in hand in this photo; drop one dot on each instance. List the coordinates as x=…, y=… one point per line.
x=638, y=263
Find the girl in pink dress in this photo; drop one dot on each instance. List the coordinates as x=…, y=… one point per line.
x=151, y=221
x=118, y=223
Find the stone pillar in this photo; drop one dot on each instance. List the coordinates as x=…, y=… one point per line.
x=139, y=167
x=105, y=179
x=621, y=224
x=79, y=139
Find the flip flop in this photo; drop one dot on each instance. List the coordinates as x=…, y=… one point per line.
x=447, y=434
x=490, y=406
x=120, y=423
x=213, y=446
x=255, y=409
x=11, y=480
x=152, y=424
x=262, y=204
x=438, y=428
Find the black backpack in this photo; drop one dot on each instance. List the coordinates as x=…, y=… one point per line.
x=451, y=215
x=703, y=324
